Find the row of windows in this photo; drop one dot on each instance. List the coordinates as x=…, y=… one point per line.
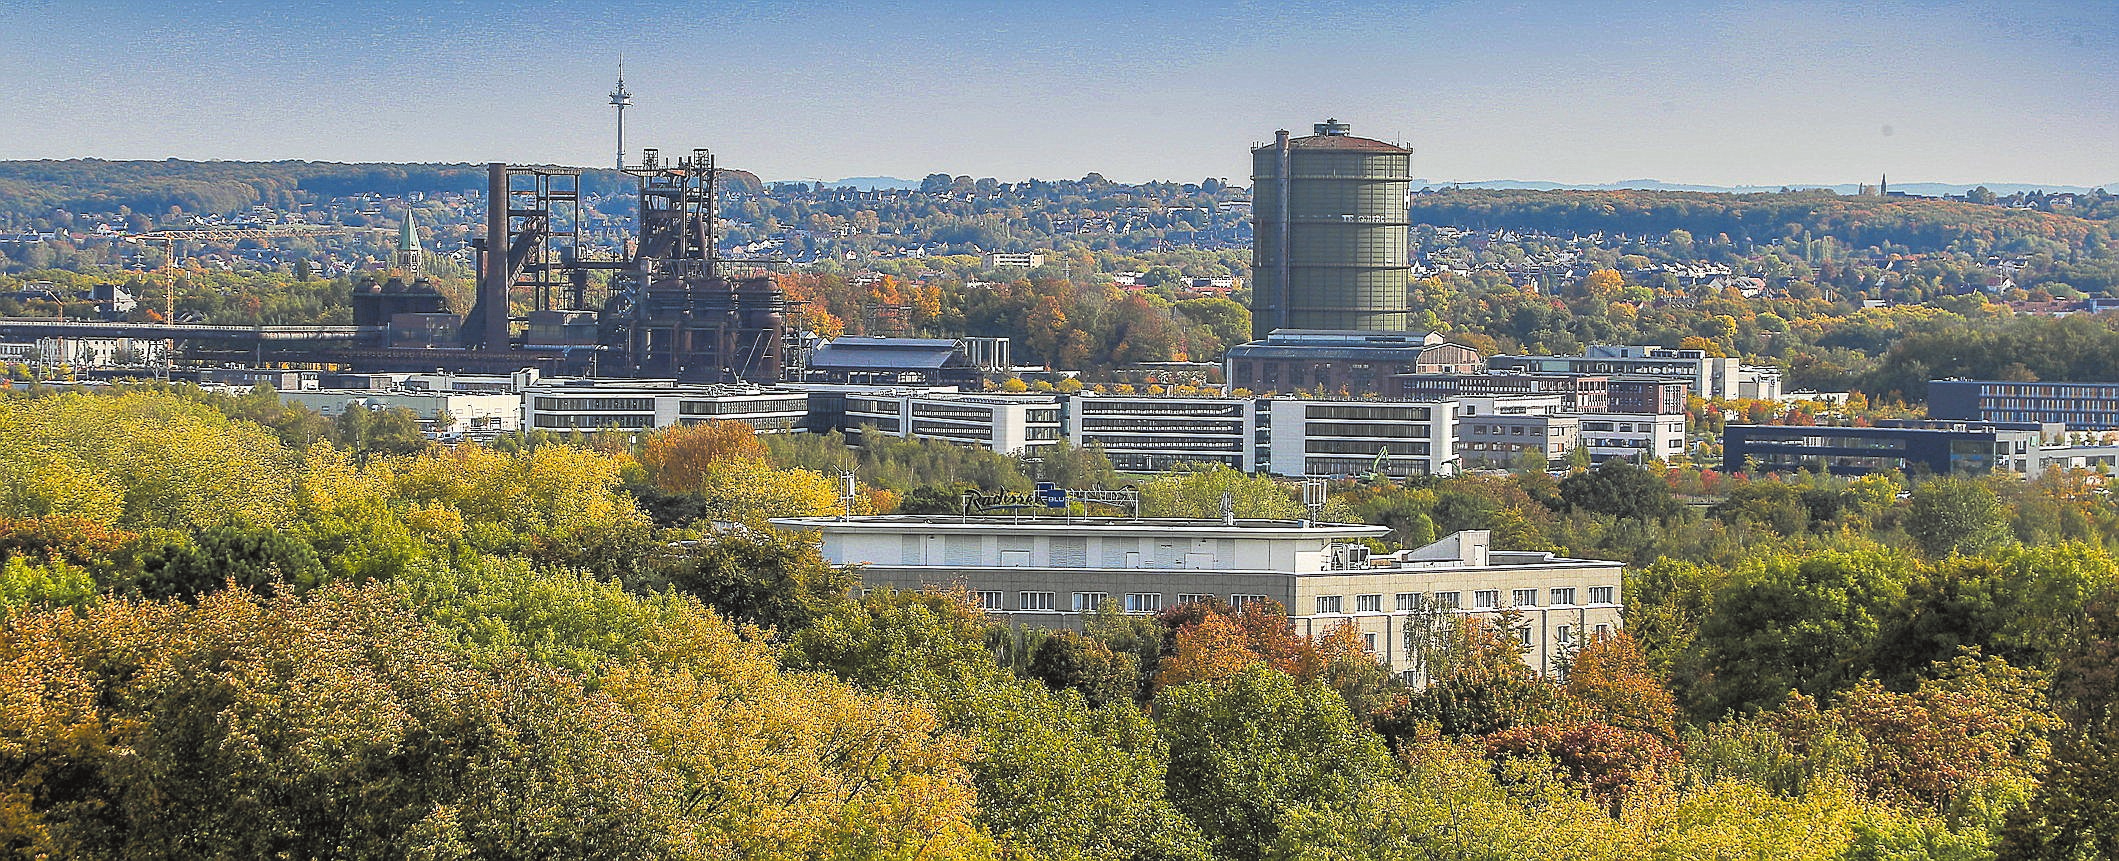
x=774, y=423
x=1166, y=443
x=1561, y=634
x=1802, y=438
x=601, y=405
x=1091, y=602
x=953, y=411
x=1627, y=427
x=562, y=422
x=1152, y=602
x=1367, y=431
x=948, y=431
x=1627, y=442
x=1484, y=599
x=2050, y=390
x=1206, y=409
x=1370, y=413
x=1100, y=424
x=1511, y=446
x=729, y=408
x=1364, y=447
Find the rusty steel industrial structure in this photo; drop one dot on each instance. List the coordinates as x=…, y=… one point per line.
x=672, y=307
x=668, y=306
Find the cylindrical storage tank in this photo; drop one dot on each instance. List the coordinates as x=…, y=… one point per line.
x=1329, y=240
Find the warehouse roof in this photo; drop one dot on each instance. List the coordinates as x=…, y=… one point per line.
x=884, y=353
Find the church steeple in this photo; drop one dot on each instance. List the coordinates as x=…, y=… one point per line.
x=409, y=258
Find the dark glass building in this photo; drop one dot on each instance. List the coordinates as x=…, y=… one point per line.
x=2080, y=406
x=1933, y=447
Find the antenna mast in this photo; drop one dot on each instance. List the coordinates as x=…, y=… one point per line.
x=620, y=99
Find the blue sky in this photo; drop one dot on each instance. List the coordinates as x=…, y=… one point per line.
x=1594, y=91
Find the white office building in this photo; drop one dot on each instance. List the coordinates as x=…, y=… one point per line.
x=1343, y=438
x=1002, y=423
x=473, y=414
x=1146, y=433
x=1636, y=437
x=1710, y=376
x=1051, y=572
x=644, y=404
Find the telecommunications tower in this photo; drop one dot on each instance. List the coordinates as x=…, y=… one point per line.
x=620, y=99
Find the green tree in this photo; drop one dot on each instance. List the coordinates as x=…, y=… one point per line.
x=2074, y=814
x=1248, y=752
x=1194, y=490
x=346, y=730
x=1806, y=623
x=768, y=578
x=2020, y=603
x=1070, y=661
x=250, y=557
x=1054, y=776
x=1948, y=515
x=1620, y=489
x=368, y=433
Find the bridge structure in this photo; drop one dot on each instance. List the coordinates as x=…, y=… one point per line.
x=50, y=327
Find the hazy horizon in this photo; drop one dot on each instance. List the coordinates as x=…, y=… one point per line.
x=1796, y=93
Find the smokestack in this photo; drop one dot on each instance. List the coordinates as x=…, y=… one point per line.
x=493, y=282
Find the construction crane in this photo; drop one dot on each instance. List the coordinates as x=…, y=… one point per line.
x=1376, y=475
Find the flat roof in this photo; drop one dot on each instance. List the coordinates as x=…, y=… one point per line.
x=1194, y=527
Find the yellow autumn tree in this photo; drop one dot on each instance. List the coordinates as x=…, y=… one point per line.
x=140, y=459
x=1611, y=677
x=750, y=490
x=677, y=458
x=549, y=490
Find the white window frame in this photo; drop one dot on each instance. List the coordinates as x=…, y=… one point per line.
x=1523, y=598
x=1037, y=602
x=1486, y=599
x=1089, y=602
x=1331, y=605
x=1143, y=603
x=1603, y=594
x=992, y=602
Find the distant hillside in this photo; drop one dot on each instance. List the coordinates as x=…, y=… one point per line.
x=34, y=188
x=1924, y=189
x=872, y=183
x=1918, y=224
